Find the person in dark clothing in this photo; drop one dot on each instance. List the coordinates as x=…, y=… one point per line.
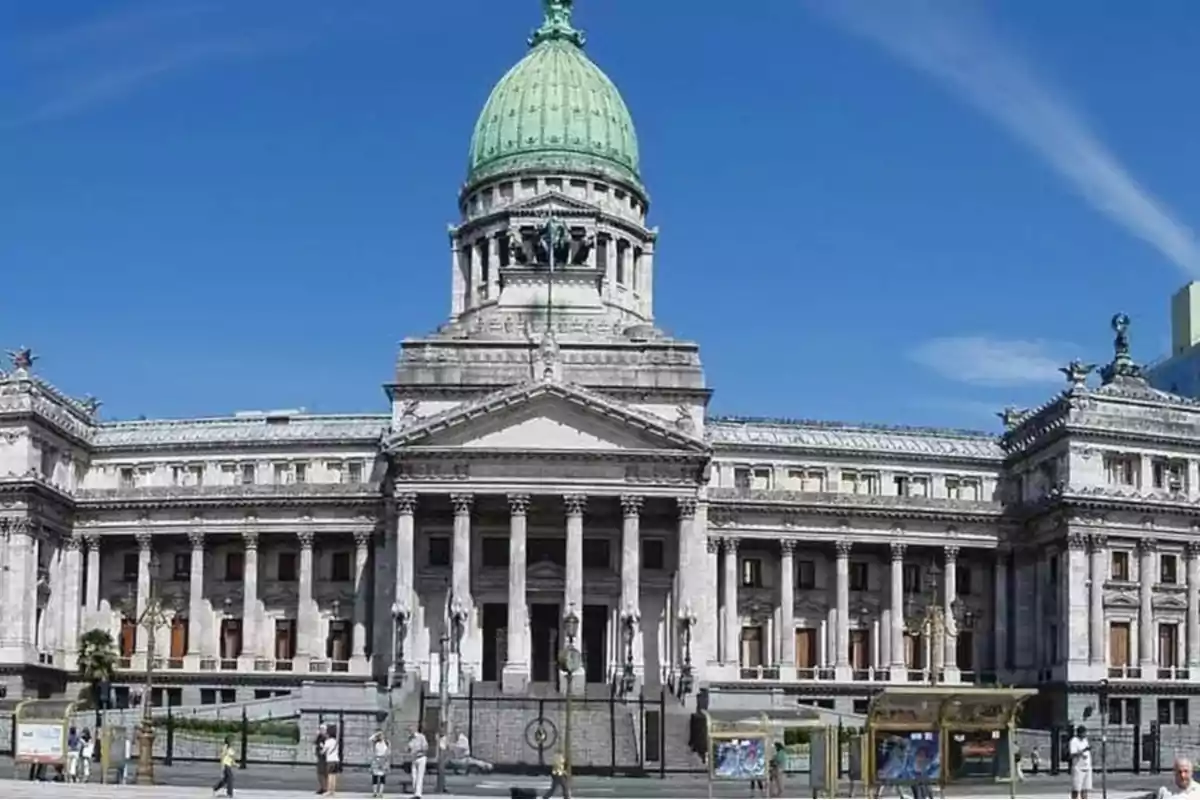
x=322, y=766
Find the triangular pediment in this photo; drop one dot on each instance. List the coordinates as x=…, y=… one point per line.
x=551, y=202
x=549, y=416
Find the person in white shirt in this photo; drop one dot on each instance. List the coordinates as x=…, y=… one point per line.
x=1185, y=785
x=1079, y=751
x=333, y=760
x=418, y=751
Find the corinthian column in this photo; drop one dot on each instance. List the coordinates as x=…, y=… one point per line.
x=1147, y=657
x=515, y=677
x=362, y=545
x=949, y=642
x=575, y=505
x=72, y=569
x=1193, y=609
x=733, y=620
x=1097, y=575
x=405, y=597
x=306, y=611
x=250, y=631
x=196, y=627
x=145, y=543
x=842, y=658
x=899, y=665
x=787, y=607
x=631, y=597
x=470, y=650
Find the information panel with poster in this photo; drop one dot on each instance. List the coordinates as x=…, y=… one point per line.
x=907, y=758
x=41, y=735
x=739, y=759
x=978, y=755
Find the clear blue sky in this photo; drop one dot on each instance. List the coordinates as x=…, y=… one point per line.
x=222, y=205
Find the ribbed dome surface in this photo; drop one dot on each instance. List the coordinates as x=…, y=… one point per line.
x=555, y=110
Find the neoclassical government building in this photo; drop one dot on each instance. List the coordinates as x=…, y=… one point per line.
x=548, y=455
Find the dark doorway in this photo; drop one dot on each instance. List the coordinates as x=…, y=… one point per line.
x=543, y=630
x=495, y=639
x=595, y=633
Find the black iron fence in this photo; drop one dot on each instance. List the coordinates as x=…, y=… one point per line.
x=609, y=733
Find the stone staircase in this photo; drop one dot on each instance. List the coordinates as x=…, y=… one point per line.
x=504, y=729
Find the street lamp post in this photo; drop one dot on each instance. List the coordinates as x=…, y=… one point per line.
x=396, y=667
x=687, y=619
x=450, y=639
x=924, y=613
x=569, y=661
x=153, y=616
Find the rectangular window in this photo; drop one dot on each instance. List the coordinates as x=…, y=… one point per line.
x=235, y=567
x=860, y=649
x=495, y=552
x=285, y=639
x=753, y=649
x=859, y=573
x=231, y=638
x=182, y=566
x=439, y=551
x=282, y=474
x=208, y=697
x=1168, y=645
x=286, y=566
x=249, y=474
x=1121, y=469
x=1120, y=565
x=1172, y=711
x=901, y=484
x=806, y=574
x=300, y=471
x=752, y=573
x=962, y=580
x=806, y=648
x=1168, y=569
x=339, y=567
x=126, y=479
x=129, y=567
x=761, y=480
x=855, y=482
x=597, y=554
x=128, y=637
x=1118, y=644
x=912, y=578
x=337, y=644
x=741, y=478
x=965, y=650
x=914, y=651
x=354, y=472
x=918, y=486
x=653, y=554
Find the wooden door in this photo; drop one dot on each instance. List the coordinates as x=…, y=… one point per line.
x=128, y=638
x=179, y=637
x=1118, y=644
x=752, y=646
x=806, y=648
x=860, y=649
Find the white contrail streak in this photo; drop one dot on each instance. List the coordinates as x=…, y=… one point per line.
x=946, y=41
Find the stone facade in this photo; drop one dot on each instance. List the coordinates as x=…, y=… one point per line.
x=549, y=450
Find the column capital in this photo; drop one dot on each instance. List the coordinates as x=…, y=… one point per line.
x=72, y=543
x=197, y=539
x=950, y=553
x=406, y=503
x=687, y=507
x=787, y=547
x=1077, y=541
x=362, y=539
x=1097, y=542
x=730, y=543
x=144, y=542
x=1193, y=549
x=93, y=542
x=250, y=541
x=898, y=549
x=575, y=504
x=631, y=505
x=713, y=546
x=462, y=504
x=1147, y=546
x=306, y=539
x=518, y=504
x=843, y=547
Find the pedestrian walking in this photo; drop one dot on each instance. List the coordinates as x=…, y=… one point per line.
x=73, y=748
x=418, y=751
x=1035, y=760
x=87, y=754
x=1079, y=750
x=322, y=767
x=381, y=757
x=333, y=760
x=558, y=777
x=228, y=759
x=775, y=773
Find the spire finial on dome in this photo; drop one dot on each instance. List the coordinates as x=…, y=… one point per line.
x=556, y=25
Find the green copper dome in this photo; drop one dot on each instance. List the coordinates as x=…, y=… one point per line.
x=555, y=110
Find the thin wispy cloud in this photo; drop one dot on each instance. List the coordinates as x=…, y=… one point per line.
x=984, y=361
x=951, y=42
x=109, y=59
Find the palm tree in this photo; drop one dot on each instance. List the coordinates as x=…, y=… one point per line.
x=97, y=662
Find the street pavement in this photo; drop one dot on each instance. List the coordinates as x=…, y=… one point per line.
x=271, y=781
